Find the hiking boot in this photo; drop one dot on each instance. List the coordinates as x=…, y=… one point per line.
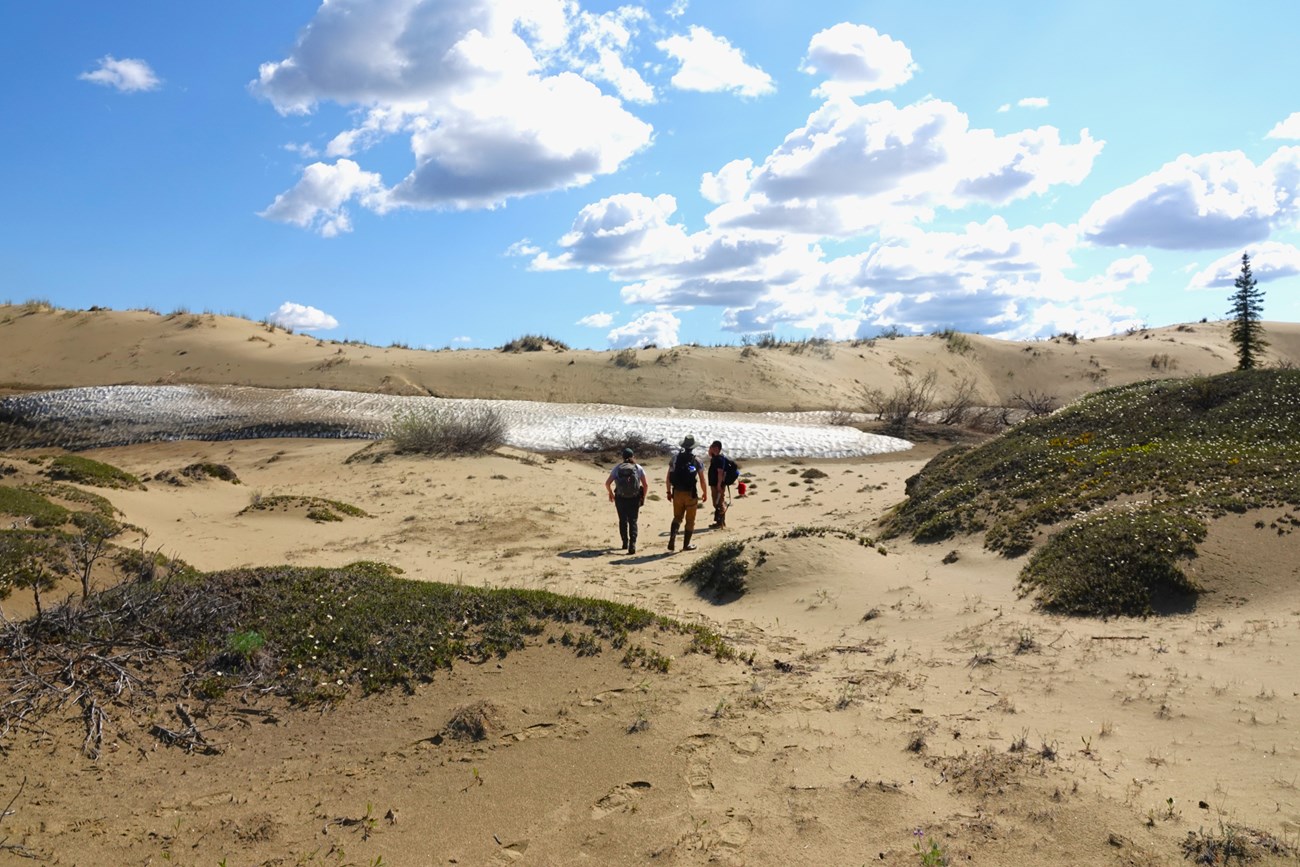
x=631, y=549
x=688, y=547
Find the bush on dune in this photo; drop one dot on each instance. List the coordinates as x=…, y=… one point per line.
x=439, y=431
x=1189, y=449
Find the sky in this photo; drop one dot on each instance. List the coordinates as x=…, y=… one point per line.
x=458, y=173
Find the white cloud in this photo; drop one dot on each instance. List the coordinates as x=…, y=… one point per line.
x=711, y=64
x=1269, y=260
x=678, y=8
x=853, y=168
x=127, y=76
x=317, y=201
x=856, y=59
x=597, y=320
x=1201, y=202
x=300, y=317
x=658, y=327
x=1289, y=128
x=1004, y=108
x=1134, y=269
x=498, y=99
x=1033, y=102
x=462, y=340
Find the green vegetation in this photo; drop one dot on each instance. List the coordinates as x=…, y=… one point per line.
x=23, y=503
x=1132, y=474
x=318, y=509
x=98, y=504
x=211, y=470
x=315, y=634
x=1246, y=332
x=436, y=430
x=720, y=573
x=75, y=468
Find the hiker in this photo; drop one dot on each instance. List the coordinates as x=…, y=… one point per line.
x=627, y=487
x=723, y=472
x=683, y=472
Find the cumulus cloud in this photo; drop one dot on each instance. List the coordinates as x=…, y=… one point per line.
x=658, y=327
x=498, y=100
x=597, y=320
x=856, y=59
x=128, y=75
x=1269, y=260
x=1033, y=102
x=1200, y=202
x=300, y=317
x=710, y=63
x=317, y=201
x=1288, y=129
x=853, y=168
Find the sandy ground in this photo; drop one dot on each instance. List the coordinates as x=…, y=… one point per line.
x=890, y=691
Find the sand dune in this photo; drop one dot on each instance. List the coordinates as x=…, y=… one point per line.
x=893, y=687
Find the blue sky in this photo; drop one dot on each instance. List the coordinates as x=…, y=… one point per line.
x=461, y=173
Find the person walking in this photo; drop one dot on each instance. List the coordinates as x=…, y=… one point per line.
x=627, y=486
x=719, y=466
x=683, y=472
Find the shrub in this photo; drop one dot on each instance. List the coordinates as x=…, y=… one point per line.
x=898, y=409
x=534, y=343
x=438, y=430
x=625, y=358
x=721, y=572
x=75, y=468
x=1115, y=563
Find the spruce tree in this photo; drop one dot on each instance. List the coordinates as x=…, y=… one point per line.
x=1246, y=332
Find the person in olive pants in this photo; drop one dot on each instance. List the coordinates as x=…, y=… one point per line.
x=683, y=472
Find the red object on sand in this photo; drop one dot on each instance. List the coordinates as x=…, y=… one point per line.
x=741, y=487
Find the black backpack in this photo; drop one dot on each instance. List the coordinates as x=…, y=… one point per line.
x=731, y=473
x=626, y=481
x=685, y=466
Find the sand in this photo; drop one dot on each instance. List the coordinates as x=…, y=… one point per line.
x=890, y=691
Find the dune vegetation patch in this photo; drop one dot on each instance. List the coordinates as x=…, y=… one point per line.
x=85, y=471
x=310, y=635
x=318, y=509
x=31, y=506
x=437, y=431
x=723, y=573
x=1115, y=490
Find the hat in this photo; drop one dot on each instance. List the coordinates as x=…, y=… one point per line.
x=627, y=453
x=689, y=442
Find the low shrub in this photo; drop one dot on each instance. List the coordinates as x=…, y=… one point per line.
x=437, y=430
x=82, y=470
x=721, y=572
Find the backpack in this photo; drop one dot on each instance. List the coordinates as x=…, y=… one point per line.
x=731, y=474
x=626, y=482
x=685, y=467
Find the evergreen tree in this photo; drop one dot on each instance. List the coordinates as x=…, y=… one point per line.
x=1247, y=306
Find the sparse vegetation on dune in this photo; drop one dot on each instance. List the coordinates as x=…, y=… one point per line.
x=1126, y=478
x=438, y=431
x=309, y=634
x=534, y=343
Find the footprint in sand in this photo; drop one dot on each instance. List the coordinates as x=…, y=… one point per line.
x=618, y=799
x=699, y=773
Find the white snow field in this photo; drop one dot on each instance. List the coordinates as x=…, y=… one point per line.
x=125, y=414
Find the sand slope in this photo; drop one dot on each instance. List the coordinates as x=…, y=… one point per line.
x=890, y=690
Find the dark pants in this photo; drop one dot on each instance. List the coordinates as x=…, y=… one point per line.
x=628, y=508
